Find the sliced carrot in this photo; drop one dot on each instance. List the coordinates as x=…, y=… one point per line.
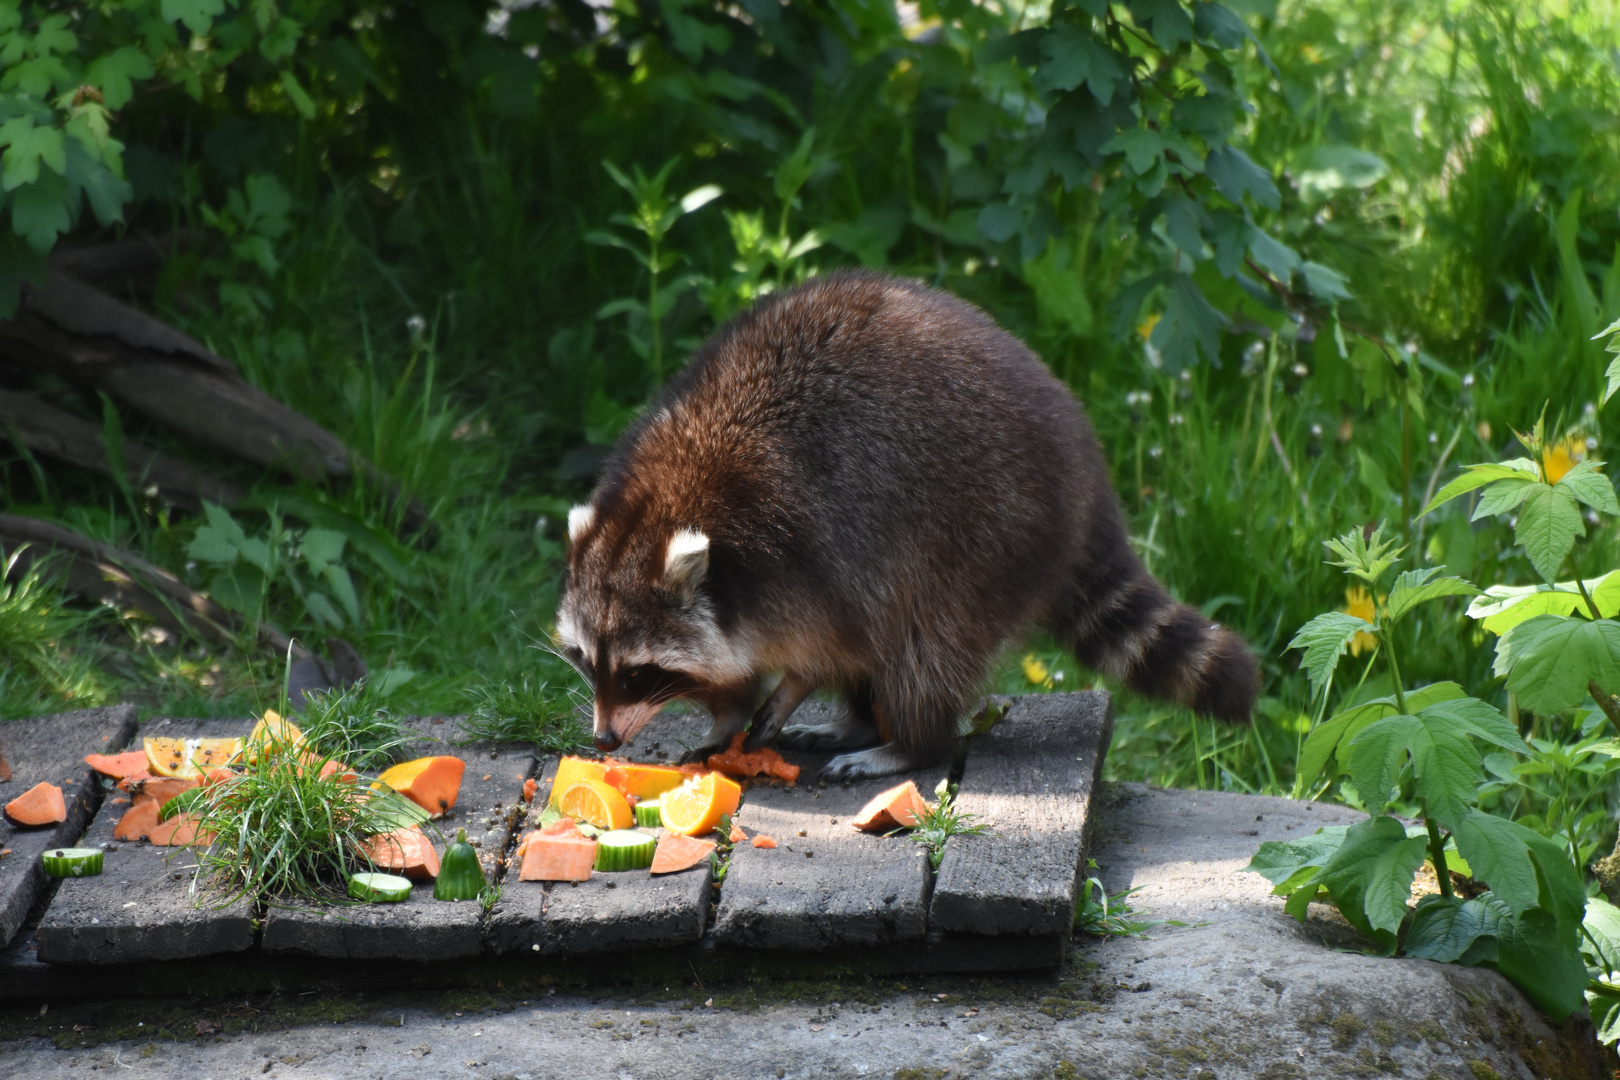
x=557, y=858
x=431, y=782
x=530, y=786
x=41, y=804
x=899, y=807
x=763, y=841
x=179, y=831
x=118, y=766
x=138, y=821
x=676, y=852
x=762, y=762
x=160, y=789
x=408, y=851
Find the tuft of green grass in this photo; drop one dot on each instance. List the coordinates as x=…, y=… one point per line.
x=351, y=726
x=533, y=712
x=1104, y=916
x=45, y=645
x=942, y=822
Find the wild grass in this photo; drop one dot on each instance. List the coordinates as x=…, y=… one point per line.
x=352, y=726
x=537, y=712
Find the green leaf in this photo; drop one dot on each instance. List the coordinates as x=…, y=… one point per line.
x=1276, y=258
x=1548, y=524
x=198, y=15
x=1376, y=756
x=1476, y=476
x=26, y=147
x=1366, y=875
x=1612, y=374
x=322, y=547
x=322, y=610
x=1166, y=20
x=115, y=74
x=1602, y=938
x=1325, y=639
x=1450, y=929
x=1522, y=867
x=1324, y=282
x=1322, y=170
x=342, y=586
x=1367, y=557
x=239, y=589
x=1591, y=487
x=1416, y=586
x=1537, y=954
x=1549, y=660
x=1475, y=717
x=1505, y=496
x=1190, y=326
x=1142, y=147
x=295, y=92
x=1502, y=607
x=1325, y=739
x=1218, y=25
x=1236, y=176
x=1278, y=860
x=210, y=546
x=41, y=211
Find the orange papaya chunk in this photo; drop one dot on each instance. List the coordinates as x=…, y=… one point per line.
x=431, y=782
x=160, y=789
x=41, y=804
x=676, y=852
x=118, y=766
x=557, y=858
x=406, y=851
x=138, y=821
x=899, y=807
x=179, y=831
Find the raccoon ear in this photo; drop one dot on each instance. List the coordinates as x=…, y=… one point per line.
x=580, y=519
x=686, y=563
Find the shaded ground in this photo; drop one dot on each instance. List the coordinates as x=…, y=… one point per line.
x=1241, y=991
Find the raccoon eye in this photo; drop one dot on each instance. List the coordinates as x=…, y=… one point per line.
x=629, y=679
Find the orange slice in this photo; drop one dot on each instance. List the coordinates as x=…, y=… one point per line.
x=188, y=758
x=570, y=771
x=597, y=803
x=696, y=806
x=273, y=735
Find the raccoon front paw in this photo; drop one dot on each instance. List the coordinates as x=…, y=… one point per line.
x=885, y=760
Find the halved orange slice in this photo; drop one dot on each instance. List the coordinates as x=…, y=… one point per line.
x=273, y=735
x=187, y=758
x=696, y=806
x=597, y=803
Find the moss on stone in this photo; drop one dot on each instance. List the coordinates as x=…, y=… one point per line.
x=1347, y=1028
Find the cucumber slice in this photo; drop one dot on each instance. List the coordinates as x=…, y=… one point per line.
x=72, y=862
x=624, y=849
x=379, y=888
x=650, y=813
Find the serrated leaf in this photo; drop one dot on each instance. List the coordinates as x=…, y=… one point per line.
x=1142, y=147
x=210, y=546
x=27, y=146
x=1502, y=607
x=1602, y=925
x=1539, y=956
x=1475, y=717
x=1276, y=258
x=1325, y=639
x=198, y=15
x=220, y=519
x=1219, y=25
x=1549, y=522
x=1277, y=860
x=1376, y=755
x=1589, y=486
x=1236, y=176
x=1071, y=56
x=1476, y=476
x=1517, y=862
x=1549, y=660
x=322, y=547
x=1365, y=875
x=1415, y=587
x=41, y=211
x=1612, y=375
x=1448, y=928
x=342, y=586
x=1189, y=326
x=1504, y=497
x=322, y=610
x=1166, y=20
x=1325, y=739
x=1324, y=282
x=116, y=72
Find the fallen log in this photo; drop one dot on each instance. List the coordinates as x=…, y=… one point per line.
x=117, y=577
x=135, y=262
x=26, y=419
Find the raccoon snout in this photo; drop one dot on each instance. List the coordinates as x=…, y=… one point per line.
x=607, y=743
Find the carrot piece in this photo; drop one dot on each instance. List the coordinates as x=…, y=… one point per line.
x=409, y=851
x=530, y=786
x=138, y=821
x=899, y=807
x=160, y=789
x=41, y=804
x=762, y=762
x=557, y=858
x=676, y=852
x=763, y=841
x=431, y=782
x=179, y=831
x=118, y=766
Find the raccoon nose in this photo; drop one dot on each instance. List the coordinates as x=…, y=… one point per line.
x=608, y=743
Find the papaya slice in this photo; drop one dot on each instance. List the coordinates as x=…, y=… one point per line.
x=138, y=821
x=557, y=858
x=179, y=831
x=900, y=807
x=131, y=782
x=405, y=851
x=41, y=804
x=570, y=771
x=160, y=789
x=762, y=762
x=118, y=766
x=643, y=781
x=763, y=841
x=676, y=852
x=431, y=782
x=530, y=786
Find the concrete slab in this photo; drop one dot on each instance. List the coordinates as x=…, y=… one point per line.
x=826, y=885
x=423, y=928
x=50, y=749
x=1030, y=780
x=141, y=907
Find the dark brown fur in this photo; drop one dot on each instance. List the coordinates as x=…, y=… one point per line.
x=891, y=488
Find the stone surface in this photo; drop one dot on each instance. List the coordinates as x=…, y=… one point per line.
x=141, y=907
x=1240, y=993
x=1029, y=780
x=423, y=928
x=610, y=912
x=50, y=749
x=826, y=884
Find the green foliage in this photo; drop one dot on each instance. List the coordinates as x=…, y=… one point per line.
x=1104, y=916
x=943, y=821
x=354, y=726
x=306, y=563
x=44, y=658
x=542, y=713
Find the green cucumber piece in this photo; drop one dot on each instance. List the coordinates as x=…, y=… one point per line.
x=624, y=849
x=376, y=888
x=72, y=862
x=461, y=877
x=650, y=814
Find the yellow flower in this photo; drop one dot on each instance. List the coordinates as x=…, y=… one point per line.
x=1559, y=458
x=1359, y=602
x=1036, y=672
x=1145, y=330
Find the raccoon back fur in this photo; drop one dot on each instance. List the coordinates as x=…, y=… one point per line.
x=864, y=484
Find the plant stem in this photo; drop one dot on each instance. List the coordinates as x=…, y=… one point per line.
x=652, y=315
x=1590, y=605
x=1394, y=669
x=1437, y=855
x=1605, y=701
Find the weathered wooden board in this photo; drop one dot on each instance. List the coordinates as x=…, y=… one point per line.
x=141, y=907
x=827, y=885
x=1030, y=779
x=609, y=912
x=50, y=749
x=423, y=928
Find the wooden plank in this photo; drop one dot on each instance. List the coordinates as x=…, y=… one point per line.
x=141, y=907
x=50, y=749
x=827, y=885
x=1030, y=779
x=423, y=928
x=610, y=911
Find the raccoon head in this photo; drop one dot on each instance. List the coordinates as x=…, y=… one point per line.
x=637, y=622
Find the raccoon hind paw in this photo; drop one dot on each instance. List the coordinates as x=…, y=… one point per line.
x=885, y=760
x=827, y=732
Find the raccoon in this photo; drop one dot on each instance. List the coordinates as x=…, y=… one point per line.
x=863, y=484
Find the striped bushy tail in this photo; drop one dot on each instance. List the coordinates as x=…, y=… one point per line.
x=1118, y=620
